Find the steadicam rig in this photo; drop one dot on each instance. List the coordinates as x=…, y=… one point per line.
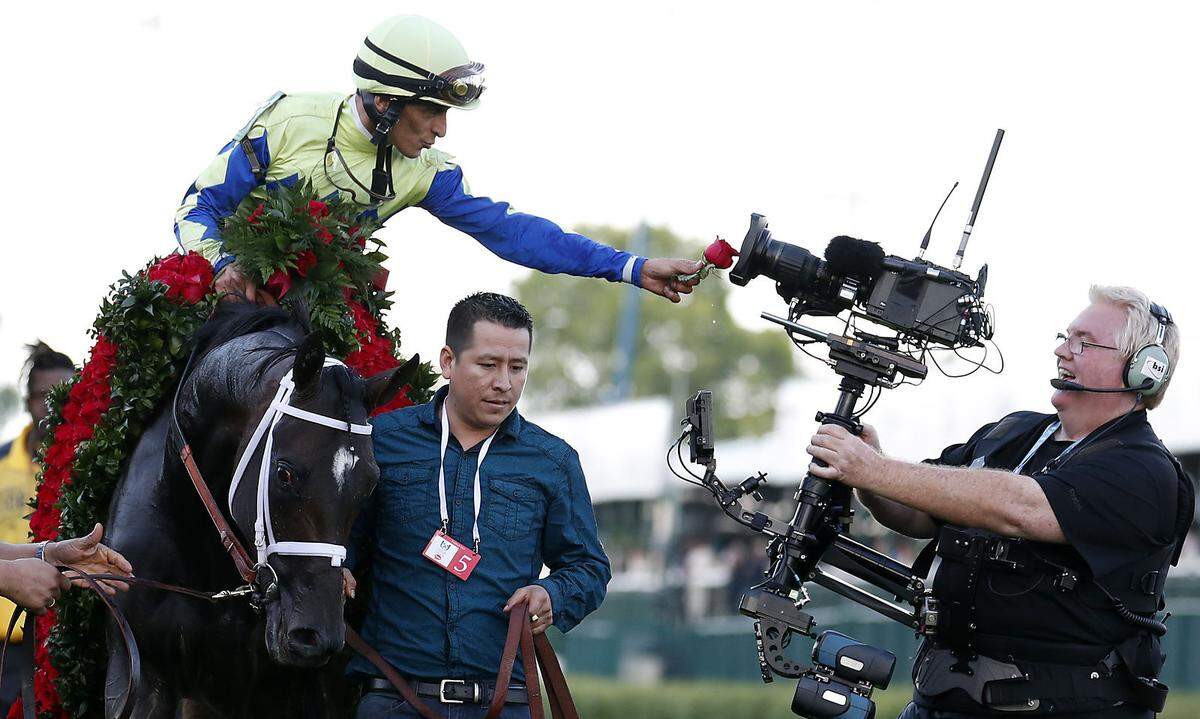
x=919, y=307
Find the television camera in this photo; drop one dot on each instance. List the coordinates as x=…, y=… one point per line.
x=921, y=307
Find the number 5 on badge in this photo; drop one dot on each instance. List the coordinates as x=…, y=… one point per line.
x=450, y=555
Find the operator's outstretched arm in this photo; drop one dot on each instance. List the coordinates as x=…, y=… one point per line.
x=540, y=244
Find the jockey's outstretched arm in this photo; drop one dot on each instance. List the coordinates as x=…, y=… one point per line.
x=524, y=239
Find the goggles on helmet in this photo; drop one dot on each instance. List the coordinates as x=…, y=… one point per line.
x=458, y=86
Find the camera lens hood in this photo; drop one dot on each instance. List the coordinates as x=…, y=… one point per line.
x=753, y=246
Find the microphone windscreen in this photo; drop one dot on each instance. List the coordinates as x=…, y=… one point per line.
x=1065, y=385
x=850, y=257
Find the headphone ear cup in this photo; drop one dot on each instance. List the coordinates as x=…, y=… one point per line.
x=1148, y=363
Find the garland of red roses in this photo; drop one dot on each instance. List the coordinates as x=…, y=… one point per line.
x=142, y=336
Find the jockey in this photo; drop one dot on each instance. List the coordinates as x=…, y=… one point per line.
x=375, y=148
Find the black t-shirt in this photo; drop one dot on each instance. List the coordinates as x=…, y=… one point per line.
x=1115, y=505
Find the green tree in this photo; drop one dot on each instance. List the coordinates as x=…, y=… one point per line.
x=678, y=349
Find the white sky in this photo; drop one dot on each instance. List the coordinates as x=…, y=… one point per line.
x=830, y=118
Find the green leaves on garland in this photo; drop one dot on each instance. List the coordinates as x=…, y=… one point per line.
x=302, y=249
x=142, y=338
x=305, y=252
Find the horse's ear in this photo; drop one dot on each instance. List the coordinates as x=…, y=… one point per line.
x=310, y=359
x=382, y=388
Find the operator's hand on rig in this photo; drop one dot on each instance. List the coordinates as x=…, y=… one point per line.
x=851, y=459
x=871, y=437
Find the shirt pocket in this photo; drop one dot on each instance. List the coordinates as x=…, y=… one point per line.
x=515, y=507
x=409, y=491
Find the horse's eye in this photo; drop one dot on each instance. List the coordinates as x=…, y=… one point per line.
x=285, y=475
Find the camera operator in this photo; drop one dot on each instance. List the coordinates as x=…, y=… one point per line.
x=1054, y=531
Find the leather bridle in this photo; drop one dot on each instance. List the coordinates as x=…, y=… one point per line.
x=260, y=589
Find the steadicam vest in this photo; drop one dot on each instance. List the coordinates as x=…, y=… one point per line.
x=1133, y=590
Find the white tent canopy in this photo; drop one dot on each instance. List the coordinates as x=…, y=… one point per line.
x=622, y=446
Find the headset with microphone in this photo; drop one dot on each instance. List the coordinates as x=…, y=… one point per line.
x=1146, y=372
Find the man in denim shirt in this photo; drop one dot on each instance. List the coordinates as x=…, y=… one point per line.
x=440, y=631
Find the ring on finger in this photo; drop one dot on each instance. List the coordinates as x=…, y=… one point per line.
x=534, y=618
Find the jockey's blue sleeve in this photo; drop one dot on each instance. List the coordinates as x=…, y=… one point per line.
x=525, y=239
x=216, y=195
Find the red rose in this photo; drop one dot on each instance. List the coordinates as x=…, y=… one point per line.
x=279, y=283
x=324, y=235
x=252, y=218
x=318, y=209
x=193, y=293
x=305, y=261
x=720, y=254
x=187, y=277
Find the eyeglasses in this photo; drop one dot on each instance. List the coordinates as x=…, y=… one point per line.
x=1076, y=345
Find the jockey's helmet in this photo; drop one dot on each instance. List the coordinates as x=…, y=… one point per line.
x=411, y=56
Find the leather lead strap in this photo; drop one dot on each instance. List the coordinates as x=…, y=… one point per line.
x=28, y=699
x=357, y=644
x=124, y=709
x=245, y=566
x=561, y=703
x=534, y=650
x=518, y=623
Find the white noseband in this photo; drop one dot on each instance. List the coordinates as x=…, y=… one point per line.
x=264, y=533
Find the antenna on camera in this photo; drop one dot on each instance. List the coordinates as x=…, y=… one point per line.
x=983, y=182
x=929, y=232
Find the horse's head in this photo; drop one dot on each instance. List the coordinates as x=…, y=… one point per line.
x=308, y=471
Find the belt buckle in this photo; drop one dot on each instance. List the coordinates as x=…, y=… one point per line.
x=442, y=691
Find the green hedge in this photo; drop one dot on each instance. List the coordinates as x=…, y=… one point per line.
x=607, y=699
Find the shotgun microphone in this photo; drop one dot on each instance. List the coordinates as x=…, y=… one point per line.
x=1067, y=386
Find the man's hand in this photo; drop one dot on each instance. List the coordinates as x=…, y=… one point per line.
x=88, y=555
x=871, y=437
x=349, y=583
x=232, y=285
x=661, y=276
x=850, y=459
x=32, y=583
x=541, y=614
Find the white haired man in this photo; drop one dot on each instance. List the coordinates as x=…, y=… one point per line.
x=1055, y=531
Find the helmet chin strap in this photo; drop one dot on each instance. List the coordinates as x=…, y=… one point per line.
x=381, y=177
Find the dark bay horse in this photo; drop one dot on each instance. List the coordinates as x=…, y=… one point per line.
x=228, y=658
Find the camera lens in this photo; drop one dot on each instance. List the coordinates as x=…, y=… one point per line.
x=798, y=272
x=791, y=266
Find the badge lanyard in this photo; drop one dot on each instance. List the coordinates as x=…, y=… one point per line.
x=442, y=478
x=1042, y=440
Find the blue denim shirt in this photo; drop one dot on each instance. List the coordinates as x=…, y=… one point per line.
x=535, y=510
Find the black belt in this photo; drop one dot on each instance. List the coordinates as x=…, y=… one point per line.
x=455, y=691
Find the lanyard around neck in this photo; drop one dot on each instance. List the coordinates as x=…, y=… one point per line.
x=1042, y=440
x=483, y=449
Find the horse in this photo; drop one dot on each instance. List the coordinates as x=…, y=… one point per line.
x=238, y=658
